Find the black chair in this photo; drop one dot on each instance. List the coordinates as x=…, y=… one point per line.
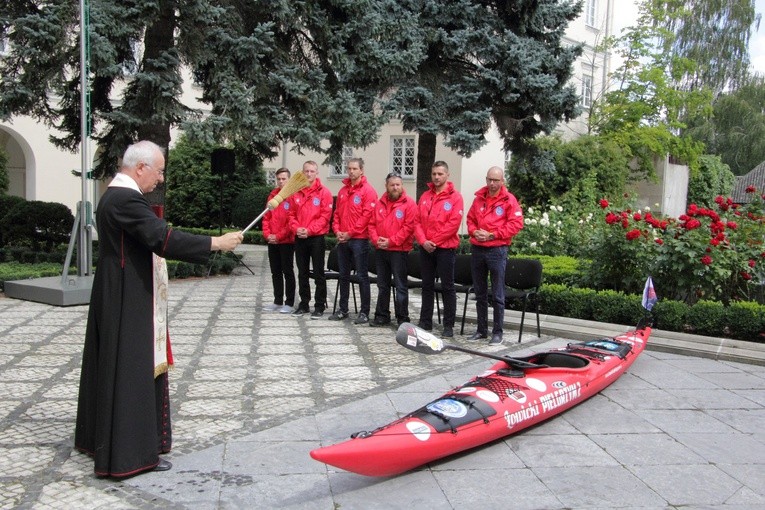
x=463, y=282
x=413, y=270
x=523, y=277
x=333, y=273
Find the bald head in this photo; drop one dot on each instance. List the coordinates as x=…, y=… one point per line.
x=495, y=180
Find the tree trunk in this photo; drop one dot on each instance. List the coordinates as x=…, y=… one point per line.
x=158, y=41
x=426, y=156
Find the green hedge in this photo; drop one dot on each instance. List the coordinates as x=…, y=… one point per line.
x=743, y=320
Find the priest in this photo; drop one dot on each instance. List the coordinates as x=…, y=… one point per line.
x=123, y=411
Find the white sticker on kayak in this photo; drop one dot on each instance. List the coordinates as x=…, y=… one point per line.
x=448, y=407
x=466, y=389
x=487, y=373
x=419, y=430
x=488, y=396
x=411, y=341
x=518, y=396
x=536, y=384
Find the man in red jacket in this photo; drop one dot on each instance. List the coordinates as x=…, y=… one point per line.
x=440, y=218
x=391, y=231
x=281, y=249
x=309, y=221
x=493, y=220
x=355, y=205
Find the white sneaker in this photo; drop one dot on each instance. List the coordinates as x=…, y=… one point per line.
x=271, y=307
x=285, y=309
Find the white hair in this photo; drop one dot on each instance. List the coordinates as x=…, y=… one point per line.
x=140, y=152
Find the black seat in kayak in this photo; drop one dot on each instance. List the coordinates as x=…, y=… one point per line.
x=560, y=360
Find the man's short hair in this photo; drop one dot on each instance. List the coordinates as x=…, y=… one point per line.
x=283, y=170
x=140, y=152
x=357, y=160
x=392, y=175
x=441, y=163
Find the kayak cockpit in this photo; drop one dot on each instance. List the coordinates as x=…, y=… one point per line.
x=558, y=360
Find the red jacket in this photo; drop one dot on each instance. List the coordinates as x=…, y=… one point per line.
x=440, y=217
x=354, y=207
x=500, y=215
x=277, y=221
x=395, y=221
x=313, y=207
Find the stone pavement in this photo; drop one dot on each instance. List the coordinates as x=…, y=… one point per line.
x=254, y=392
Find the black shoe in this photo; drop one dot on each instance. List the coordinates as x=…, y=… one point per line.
x=426, y=327
x=448, y=332
x=379, y=322
x=496, y=339
x=299, y=312
x=478, y=336
x=163, y=465
x=361, y=319
x=338, y=316
x=317, y=314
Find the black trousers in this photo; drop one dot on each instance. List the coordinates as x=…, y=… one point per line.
x=439, y=263
x=392, y=264
x=310, y=252
x=281, y=260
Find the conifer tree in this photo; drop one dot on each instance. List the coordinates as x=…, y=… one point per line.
x=488, y=60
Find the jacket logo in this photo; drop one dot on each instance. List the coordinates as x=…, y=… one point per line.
x=399, y=214
x=286, y=205
x=499, y=211
x=447, y=206
x=356, y=199
x=316, y=201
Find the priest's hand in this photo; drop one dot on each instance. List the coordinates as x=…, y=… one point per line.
x=227, y=242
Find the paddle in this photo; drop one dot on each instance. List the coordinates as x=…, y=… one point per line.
x=419, y=340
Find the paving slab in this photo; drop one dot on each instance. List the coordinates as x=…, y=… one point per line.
x=253, y=392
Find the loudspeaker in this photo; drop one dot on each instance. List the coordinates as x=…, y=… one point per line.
x=222, y=161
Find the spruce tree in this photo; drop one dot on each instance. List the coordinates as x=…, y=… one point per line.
x=500, y=61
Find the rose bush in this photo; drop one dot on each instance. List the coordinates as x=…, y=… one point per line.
x=707, y=253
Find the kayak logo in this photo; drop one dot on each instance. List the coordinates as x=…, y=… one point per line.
x=558, y=384
x=448, y=407
x=419, y=430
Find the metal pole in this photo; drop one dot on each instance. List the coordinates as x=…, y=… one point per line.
x=83, y=252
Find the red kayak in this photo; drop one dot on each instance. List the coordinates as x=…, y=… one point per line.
x=512, y=395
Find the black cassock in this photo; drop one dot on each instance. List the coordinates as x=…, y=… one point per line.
x=123, y=413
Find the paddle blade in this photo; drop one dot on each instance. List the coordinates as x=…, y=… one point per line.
x=417, y=339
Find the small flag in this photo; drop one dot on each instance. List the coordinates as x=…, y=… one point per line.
x=649, y=295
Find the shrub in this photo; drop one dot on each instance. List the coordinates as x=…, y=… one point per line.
x=37, y=224
x=746, y=320
x=617, y=307
x=670, y=315
x=707, y=318
x=248, y=204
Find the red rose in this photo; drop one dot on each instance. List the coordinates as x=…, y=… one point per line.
x=659, y=241
x=750, y=189
x=603, y=203
x=633, y=234
x=752, y=263
x=636, y=216
x=612, y=218
x=745, y=275
x=732, y=225
x=706, y=260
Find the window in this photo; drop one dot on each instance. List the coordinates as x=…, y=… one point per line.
x=589, y=12
x=342, y=170
x=270, y=176
x=586, y=90
x=402, y=156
